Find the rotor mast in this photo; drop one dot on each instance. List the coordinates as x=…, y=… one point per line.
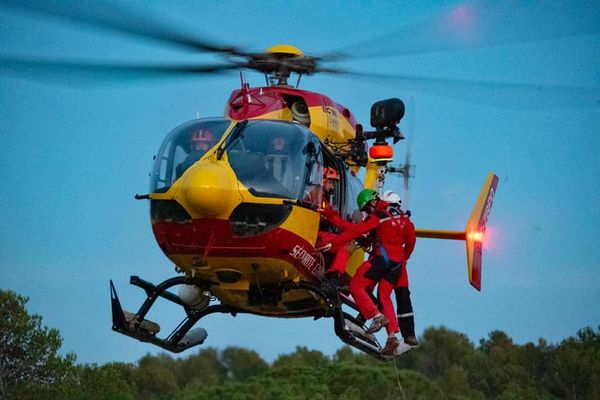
x=279, y=61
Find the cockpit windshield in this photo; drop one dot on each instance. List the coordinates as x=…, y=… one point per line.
x=185, y=145
x=277, y=159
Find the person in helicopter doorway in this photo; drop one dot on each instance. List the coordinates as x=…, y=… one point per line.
x=383, y=267
x=277, y=160
x=200, y=142
x=406, y=320
x=337, y=268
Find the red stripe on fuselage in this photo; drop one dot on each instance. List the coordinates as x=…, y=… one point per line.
x=193, y=238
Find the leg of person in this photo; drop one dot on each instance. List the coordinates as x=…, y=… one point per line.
x=340, y=260
x=324, y=237
x=384, y=292
x=370, y=290
x=406, y=320
x=367, y=308
x=330, y=281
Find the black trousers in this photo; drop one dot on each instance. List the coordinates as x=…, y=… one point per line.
x=406, y=320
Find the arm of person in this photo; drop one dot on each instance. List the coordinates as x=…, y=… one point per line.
x=410, y=238
x=334, y=218
x=356, y=230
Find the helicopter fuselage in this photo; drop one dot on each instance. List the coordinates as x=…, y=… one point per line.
x=243, y=217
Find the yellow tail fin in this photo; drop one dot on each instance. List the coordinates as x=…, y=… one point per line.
x=474, y=231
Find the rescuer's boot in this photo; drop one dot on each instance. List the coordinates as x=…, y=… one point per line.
x=330, y=282
x=378, y=322
x=411, y=341
x=402, y=348
x=390, y=346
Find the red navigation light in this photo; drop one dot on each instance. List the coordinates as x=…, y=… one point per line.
x=476, y=236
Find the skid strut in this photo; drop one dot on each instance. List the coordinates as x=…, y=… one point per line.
x=349, y=329
x=138, y=327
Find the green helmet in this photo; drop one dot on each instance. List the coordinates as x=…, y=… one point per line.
x=365, y=196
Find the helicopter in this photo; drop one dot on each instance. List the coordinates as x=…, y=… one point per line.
x=238, y=225
x=240, y=222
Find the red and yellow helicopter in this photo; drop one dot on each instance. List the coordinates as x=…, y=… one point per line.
x=234, y=200
x=234, y=205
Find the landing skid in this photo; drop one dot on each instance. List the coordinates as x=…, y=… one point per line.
x=138, y=327
x=349, y=329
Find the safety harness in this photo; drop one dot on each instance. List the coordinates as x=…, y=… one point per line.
x=391, y=267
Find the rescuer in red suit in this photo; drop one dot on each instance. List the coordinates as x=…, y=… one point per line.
x=342, y=253
x=406, y=321
x=384, y=266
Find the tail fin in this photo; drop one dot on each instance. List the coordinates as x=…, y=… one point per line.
x=475, y=229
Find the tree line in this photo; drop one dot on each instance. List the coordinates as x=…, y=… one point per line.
x=447, y=365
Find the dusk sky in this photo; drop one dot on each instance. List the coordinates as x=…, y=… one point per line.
x=74, y=152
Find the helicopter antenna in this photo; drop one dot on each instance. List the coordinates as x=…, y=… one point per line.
x=242, y=78
x=298, y=81
x=409, y=168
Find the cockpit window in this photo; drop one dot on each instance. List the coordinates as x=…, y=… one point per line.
x=277, y=159
x=185, y=145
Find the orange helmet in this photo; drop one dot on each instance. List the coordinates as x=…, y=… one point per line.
x=330, y=173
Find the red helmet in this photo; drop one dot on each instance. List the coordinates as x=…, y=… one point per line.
x=279, y=143
x=330, y=173
x=202, y=136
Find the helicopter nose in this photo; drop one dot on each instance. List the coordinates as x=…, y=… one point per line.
x=210, y=191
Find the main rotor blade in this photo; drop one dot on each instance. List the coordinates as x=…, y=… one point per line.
x=483, y=23
x=95, y=72
x=116, y=16
x=498, y=94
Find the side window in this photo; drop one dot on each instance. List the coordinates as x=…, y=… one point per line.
x=336, y=195
x=313, y=193
x=353, y=188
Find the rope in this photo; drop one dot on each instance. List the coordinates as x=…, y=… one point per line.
x=398, y=378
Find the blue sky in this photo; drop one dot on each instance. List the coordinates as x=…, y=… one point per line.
x=72, y=157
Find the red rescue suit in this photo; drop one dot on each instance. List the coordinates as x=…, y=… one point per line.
x=406, y=321
x=342, y=252
x=384, y=266
x=410, y=239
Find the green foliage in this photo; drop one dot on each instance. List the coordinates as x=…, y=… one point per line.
x=242, y=364
x=440, y=349
x=28, y=351
x=574, y=370
x=446, y=366
x=155, y=377
x=206, y=367
x=302, y=356
x=326, y=381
